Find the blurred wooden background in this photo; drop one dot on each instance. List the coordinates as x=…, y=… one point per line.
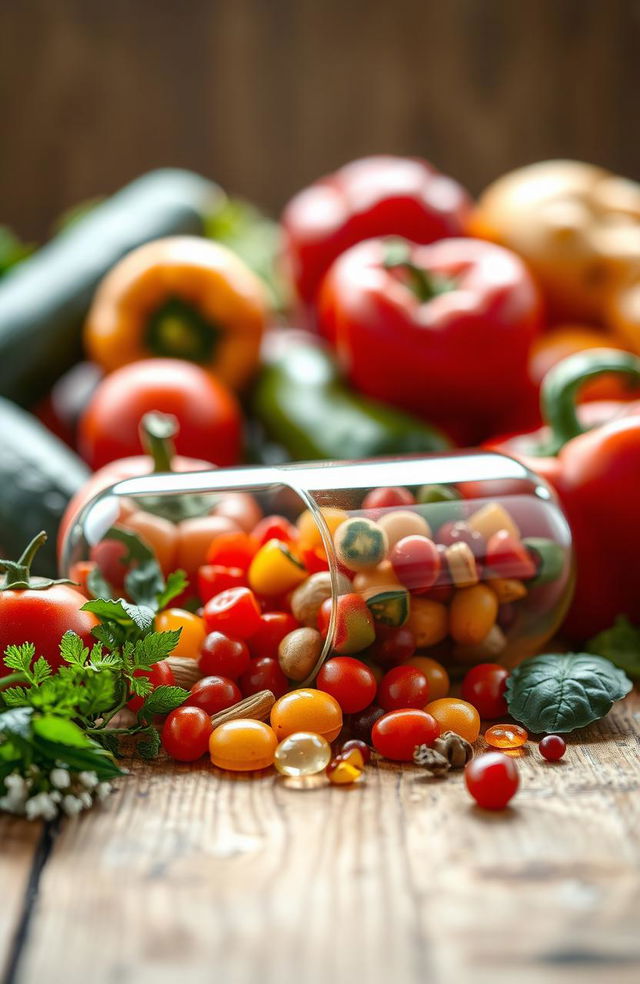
x=264, y=95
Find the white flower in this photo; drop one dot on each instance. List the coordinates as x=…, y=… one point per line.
x=16, y=784
x=103, y=790
x=60, y=778
x=56, y=795
x=16, y=794
x=88, y=779
x=71, y=805
x=41, y=805
x=85, y=799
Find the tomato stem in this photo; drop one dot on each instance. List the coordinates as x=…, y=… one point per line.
x=157, y=433
x=422, y=282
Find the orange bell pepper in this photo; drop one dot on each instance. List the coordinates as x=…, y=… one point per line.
x=181, y=297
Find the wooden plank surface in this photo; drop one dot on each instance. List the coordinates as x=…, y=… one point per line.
x=191, y=875
x=19, y=849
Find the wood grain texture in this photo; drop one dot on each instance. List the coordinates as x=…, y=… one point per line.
x=19, y=843
x=189, y=874
x=265, y=95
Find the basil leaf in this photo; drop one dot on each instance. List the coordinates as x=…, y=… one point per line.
x=620, y=644
x=121, y=612
x=559, y=692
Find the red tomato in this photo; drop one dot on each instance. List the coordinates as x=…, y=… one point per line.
x=160, y=675
x=393, y=645
x=208, y=413
x=264, y=674
x=349, y=681
x=185, y=734
x=492, y=779
x=214, y=578
x=396, y=734
x=484, y=686
x=222, y=656
x=42, y=616
x=275, y=528
x=403, y=686
x=213, y=694
x=235, y=612
x=508, y=557
x=382, y=498
x=274, y=626
x=232, y=550
x=416, y=562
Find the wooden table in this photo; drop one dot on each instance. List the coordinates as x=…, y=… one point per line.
x=188, y=875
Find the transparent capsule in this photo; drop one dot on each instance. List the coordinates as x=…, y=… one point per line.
x=302, y=754
x=506, y=736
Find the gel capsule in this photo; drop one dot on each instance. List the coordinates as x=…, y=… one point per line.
x=506, y=736
x=302, y=754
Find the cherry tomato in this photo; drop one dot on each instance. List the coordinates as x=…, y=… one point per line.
x=160, y=675
x=263, y=674
x=307, y=710
x=360, y=725
x=552, y=747
x=383, y=498
x=222, y=656
x=436, y=674
x=192, y=631
x=349, y=681
x=185, y=735
x=208, y=413
x=235, y=612
x=396, y=734
x=453, y=714
x=416, y=562
x=214, y=578
x=392, y=646
x=274, y=528
x=213, y=694
x=484, y=686
x=274, y=626
x=492, y=779
x=232, y=550
x=403, y=686
x=243, y=745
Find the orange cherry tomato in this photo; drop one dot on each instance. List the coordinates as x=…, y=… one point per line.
x=456, y=715
x=192, y=635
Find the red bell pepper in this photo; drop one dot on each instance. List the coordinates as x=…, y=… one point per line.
x=375, y=196
x=442, y=330
x=591, y=456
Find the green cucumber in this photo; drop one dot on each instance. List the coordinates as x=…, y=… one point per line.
x=390, y=606
x=44, y=300
x=302, y=404
x=38, y=476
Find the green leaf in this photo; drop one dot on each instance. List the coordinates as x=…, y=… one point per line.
x=559, y=692
x=620, y=644
x=176, y=584
x=41, y=671
x=72, y=649
x=150, y=745
x=60, y=740
x=255, y=238
x=51, y=728
x=154, y=647
x=16, y=697
x=20, y=657
x=121, y=612
x=12, y=250
x=144, y=583
x=162, y=700
x=16, y=722
x=140, y=686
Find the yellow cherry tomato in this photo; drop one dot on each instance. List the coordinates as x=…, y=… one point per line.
x=274, y=570
x=472, y=614
x=307, y=710
x=429, y=622
x=437, y=676
x=192, y=631
x=243, y=745
x=453, y=714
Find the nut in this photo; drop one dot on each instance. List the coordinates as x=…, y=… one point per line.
x=307, y=599
x=431, y=760
x=299, y=652
x=462, y=565
x=185, y=671
x=257, y=707
x=455, y=750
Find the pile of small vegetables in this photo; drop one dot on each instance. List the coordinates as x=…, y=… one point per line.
x=170, y=327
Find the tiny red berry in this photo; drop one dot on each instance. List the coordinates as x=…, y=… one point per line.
x=492, y=780
x=552, y=748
